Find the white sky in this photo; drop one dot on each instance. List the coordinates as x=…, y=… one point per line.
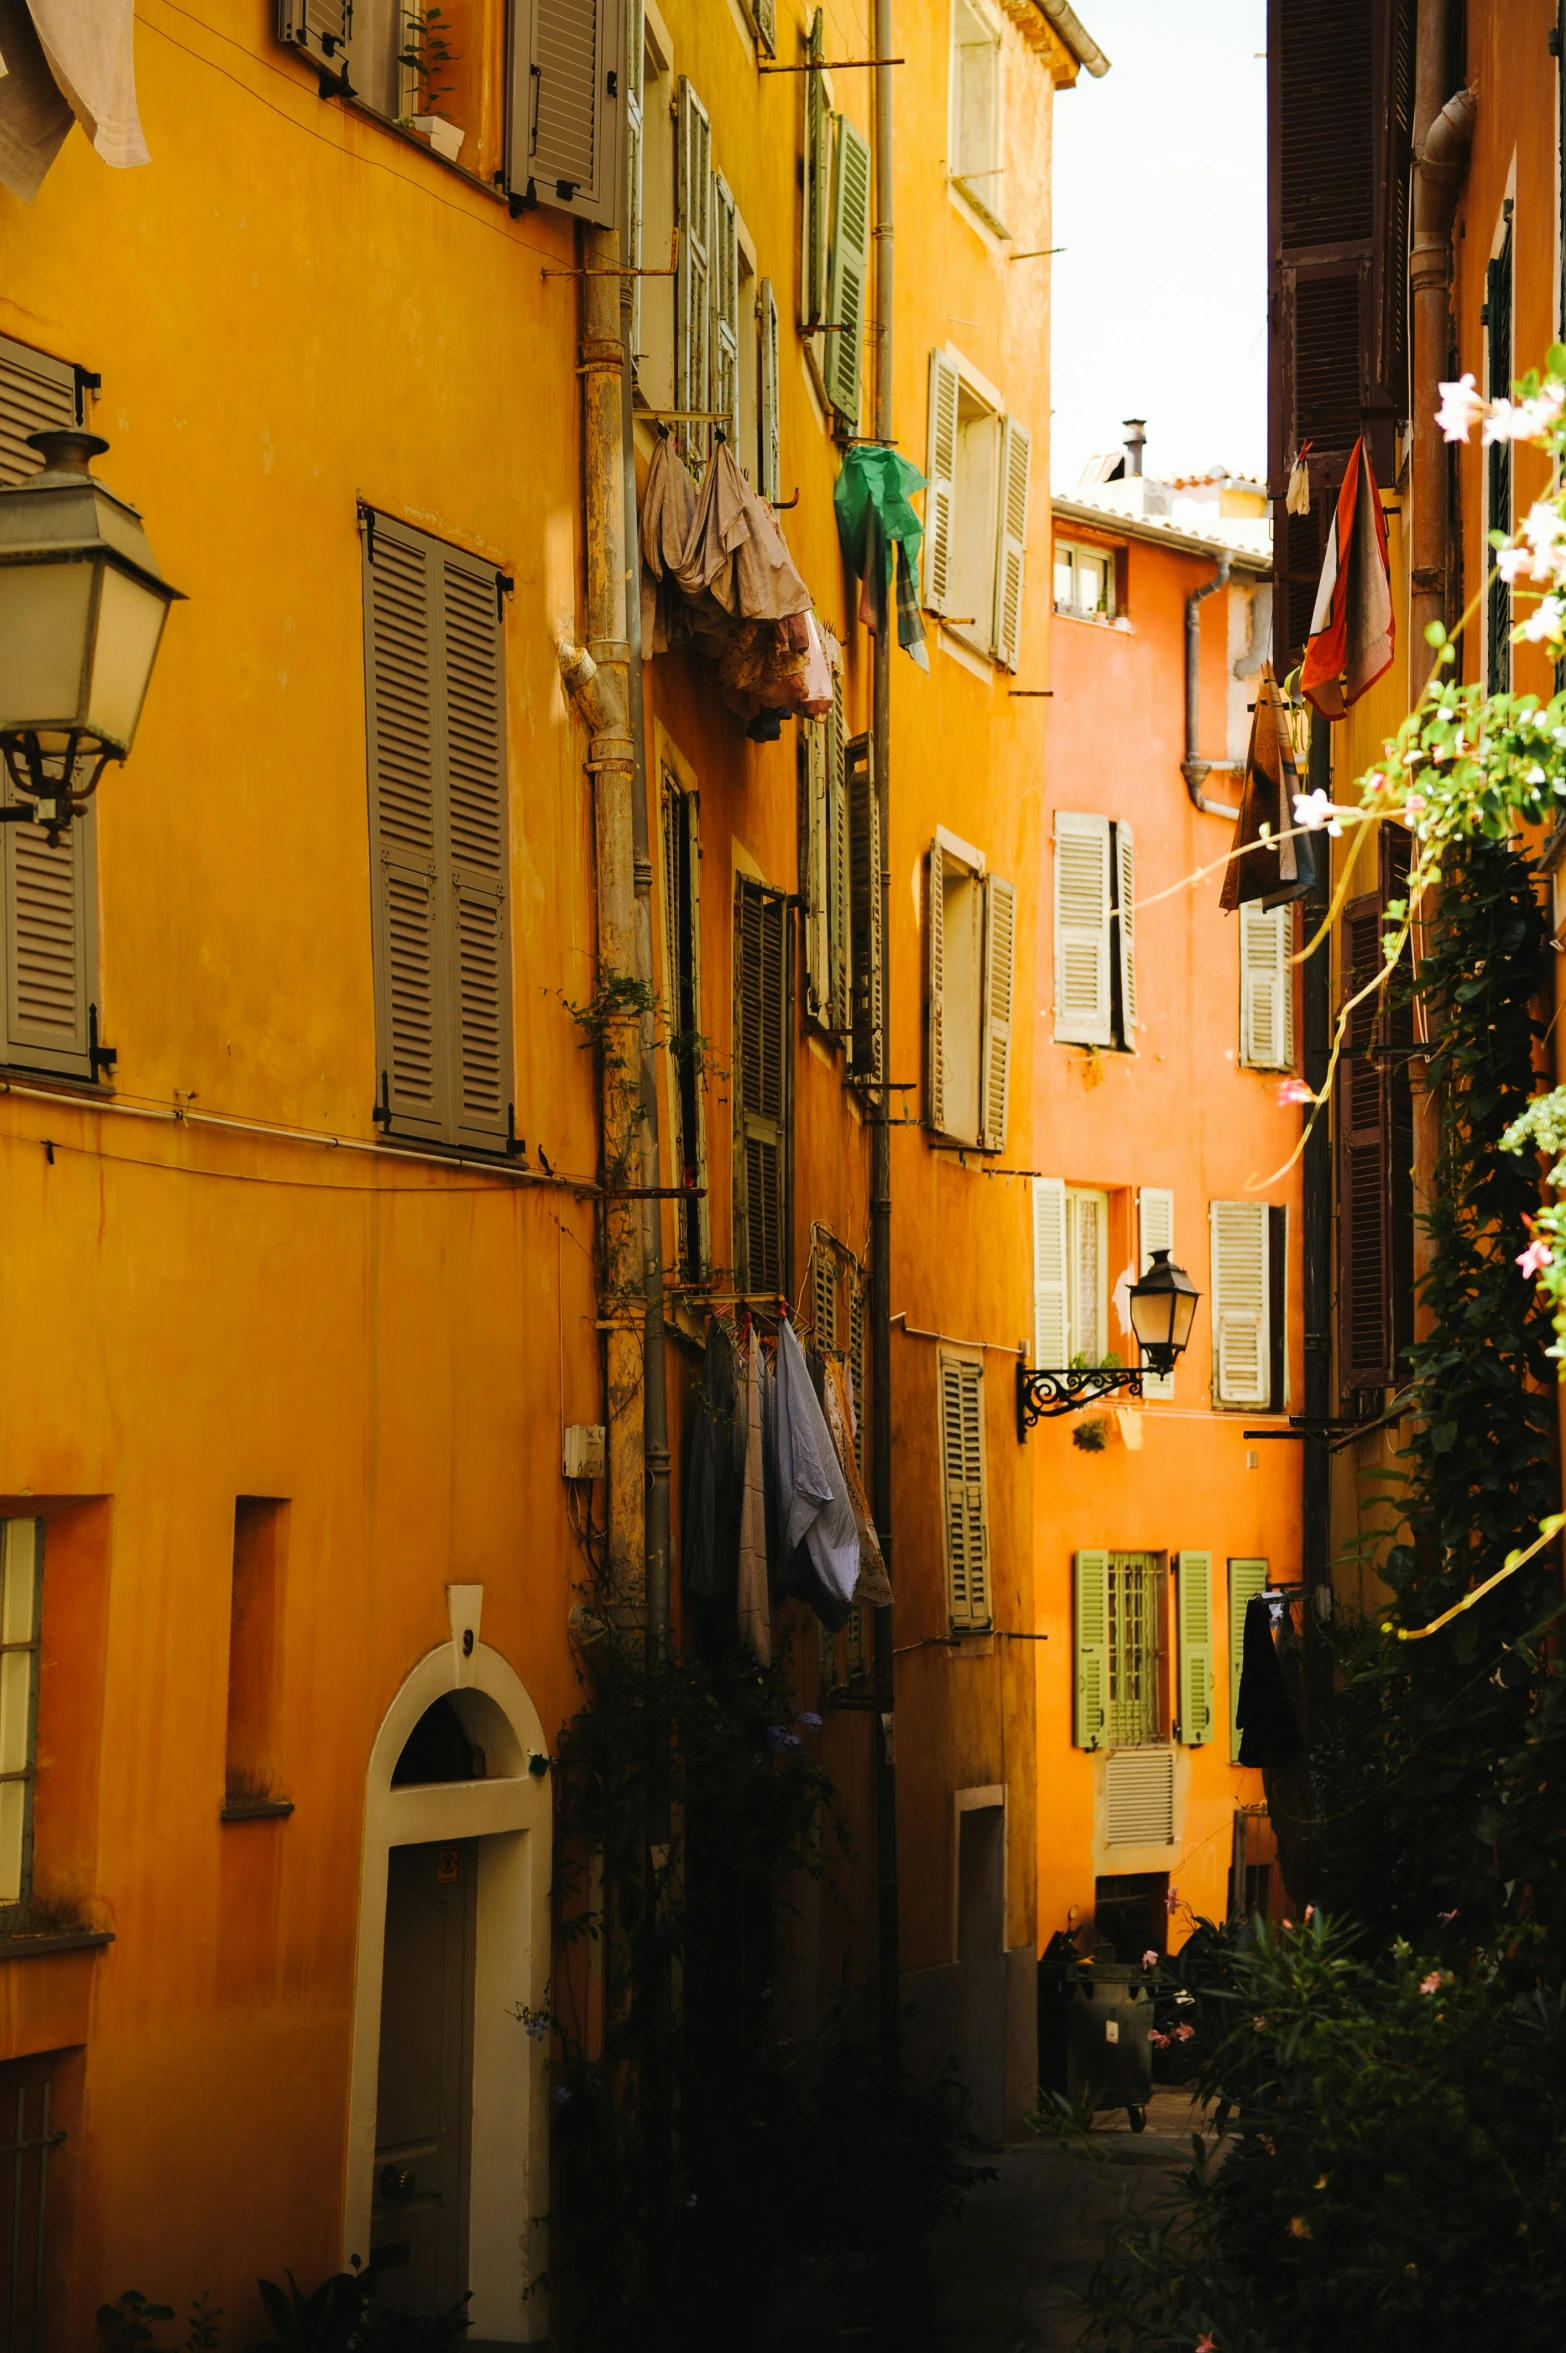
x=1160, y=298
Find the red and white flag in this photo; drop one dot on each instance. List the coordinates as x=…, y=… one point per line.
x=1352, y=632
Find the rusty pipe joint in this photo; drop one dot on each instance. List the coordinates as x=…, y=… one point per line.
x=597, y=689
x=1193, y=768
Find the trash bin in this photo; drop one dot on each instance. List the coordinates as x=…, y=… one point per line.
x=1107, y=2049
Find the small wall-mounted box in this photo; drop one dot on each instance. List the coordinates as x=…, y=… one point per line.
x=584, y=1451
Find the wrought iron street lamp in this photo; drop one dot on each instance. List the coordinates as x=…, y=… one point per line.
x=1163, y=1309
x=82, y=608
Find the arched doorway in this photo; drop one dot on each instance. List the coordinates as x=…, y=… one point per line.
x=453, y=1937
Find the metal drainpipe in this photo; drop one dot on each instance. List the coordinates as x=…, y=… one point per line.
x=1316, y=1179
x=880, y=1128
x=1194, y=769
x=1442, y=138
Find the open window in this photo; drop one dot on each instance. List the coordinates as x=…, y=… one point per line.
x=977, y=168
x=979, y=462
x=970, y=939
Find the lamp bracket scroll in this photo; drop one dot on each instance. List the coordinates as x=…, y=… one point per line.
x=1043, y=1395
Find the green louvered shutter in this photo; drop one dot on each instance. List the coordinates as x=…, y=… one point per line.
x=1246, y=1579
x=761, y=1032
x=848, y=270
x=1194, y=1598
x=818, y=181
x=864, y=856
x=1092, y=1638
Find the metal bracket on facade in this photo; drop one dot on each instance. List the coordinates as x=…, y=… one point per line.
x=1043, y=1395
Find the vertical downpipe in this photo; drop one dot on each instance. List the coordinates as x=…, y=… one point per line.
x=1317, y=1185
x=880, y=1130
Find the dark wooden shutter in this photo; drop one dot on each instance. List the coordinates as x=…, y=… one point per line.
x=761, y=1154
x=473, y=743
x=1394, y=852
x=564, y=121
x=1498, y=458
x=864, y=856
x=838, y=861
x=1376, y=1142
x=1340, y=122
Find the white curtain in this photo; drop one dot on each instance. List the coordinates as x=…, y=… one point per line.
x=59, y=60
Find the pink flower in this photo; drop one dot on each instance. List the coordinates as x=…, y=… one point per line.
x=1461, y=408
x=1204, y=2344
x=1172, y=1901
x=1294, y=1090
x=1184, y=2034
x=1432, y=1983
x=1160, y=2042
x=1150, y=1960
x=1446, y=1918
x=1413, y=808
x=1375, y=783
x=1537, y=1255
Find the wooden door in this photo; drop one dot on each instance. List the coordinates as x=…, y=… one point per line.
x=418, y=2224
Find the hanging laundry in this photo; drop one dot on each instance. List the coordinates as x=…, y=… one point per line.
x=880, y=534
x=1279, y=870
x=714, y=1479
x=813, y=1503
x=1298, y=499
x=873, y=1587
x=1269, y=1729
x=736, y=551
x=754, y=1617
x=667, y=519
x=1352, y=631
x=65, y=59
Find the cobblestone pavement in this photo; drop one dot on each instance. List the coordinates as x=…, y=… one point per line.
x=1008, y=2273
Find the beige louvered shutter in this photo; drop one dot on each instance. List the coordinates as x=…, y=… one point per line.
x=935, y=989
x=1083, y=1003
x=818, y=181
x=1246, y=1579
x=693, y=271
x=1091, y=1713
x=474, y=760
x=631, y=234
x=838, y=878
x=1267, y=987
x=764, y=16
x=962, y=1467
x=940, y=493
x=1241, y=1350
x=768, y=405
x=564, y=123
x=1125, y=930
x=407, y=846
x=321, y=29
x=1194, y=1603
x=848, y=270
x=761, y=1189
x=1011, y=540
x=1155, y=1231
x=1050, y=1340
x=1000, y=940
x=50, y=943
x=1139, y=1797
x=864, y=858
x=36, y=392
x=725, y=308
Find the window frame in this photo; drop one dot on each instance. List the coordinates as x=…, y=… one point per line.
x=1150, y=1727
x=1077, y=1340
x=1074, y=550
x=679, y=802
x=977, y=184
x=14, y=1909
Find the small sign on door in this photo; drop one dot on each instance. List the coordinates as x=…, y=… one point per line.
x=445, y=1865
x=1111, y=2030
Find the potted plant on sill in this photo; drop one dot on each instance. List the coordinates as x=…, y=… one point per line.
x=429, y=57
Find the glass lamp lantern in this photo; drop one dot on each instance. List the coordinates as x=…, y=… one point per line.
x=82, y=608
x=1163, y=1309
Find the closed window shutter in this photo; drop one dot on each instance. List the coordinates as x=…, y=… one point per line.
x=864, y=930
x=761, y=1189
x=1155, y=1231
x=1083, y=1009
x=693, y=271
x=36, y=392
x=725, y=307
x=1267, y=987
x=473, y=727
x=410, y=963
x=848, y=269
x=840, y=1010
x=1016, y=446
x=1125, y=930
x=1364, y=1192
x=1194, y=1597
x=1139, y=1797
x=563, y=128
x=1241, y=1337
x=962, y=1462
x=1092, y=1638
x=1050, y=1341
x=764, y=14
x=323, y=29
x=818, y=180
x=815, y=760
x=1000, y=933
x=941, y=489
x=935, y=988
x=1394, y=852
x=50, y=941
x=1246, y=1579
x=768, y=419
x=631, y=255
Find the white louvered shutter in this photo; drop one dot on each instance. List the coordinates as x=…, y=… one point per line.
x=962, y=1464
x=769, y=457
x=36, y=392
x=1125, y=928
x=1000, y=939
x=564, y=127
x=818, y=182
x=1139, y=1797
x=322, y=29
x=1049, y=1274
x=725, y=307
x=1246, y=1579
x=1155, y=1231
x=941, y=490
x=1267, y=987
x=1194, y=1603
x=693, y=272
x=631, y=235
x=1011, y=539
x=1091, y=1712
x=1083, y=1005
x=1241, y=1366
x=935, y=989
x=472, y=718
x=848, y=269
